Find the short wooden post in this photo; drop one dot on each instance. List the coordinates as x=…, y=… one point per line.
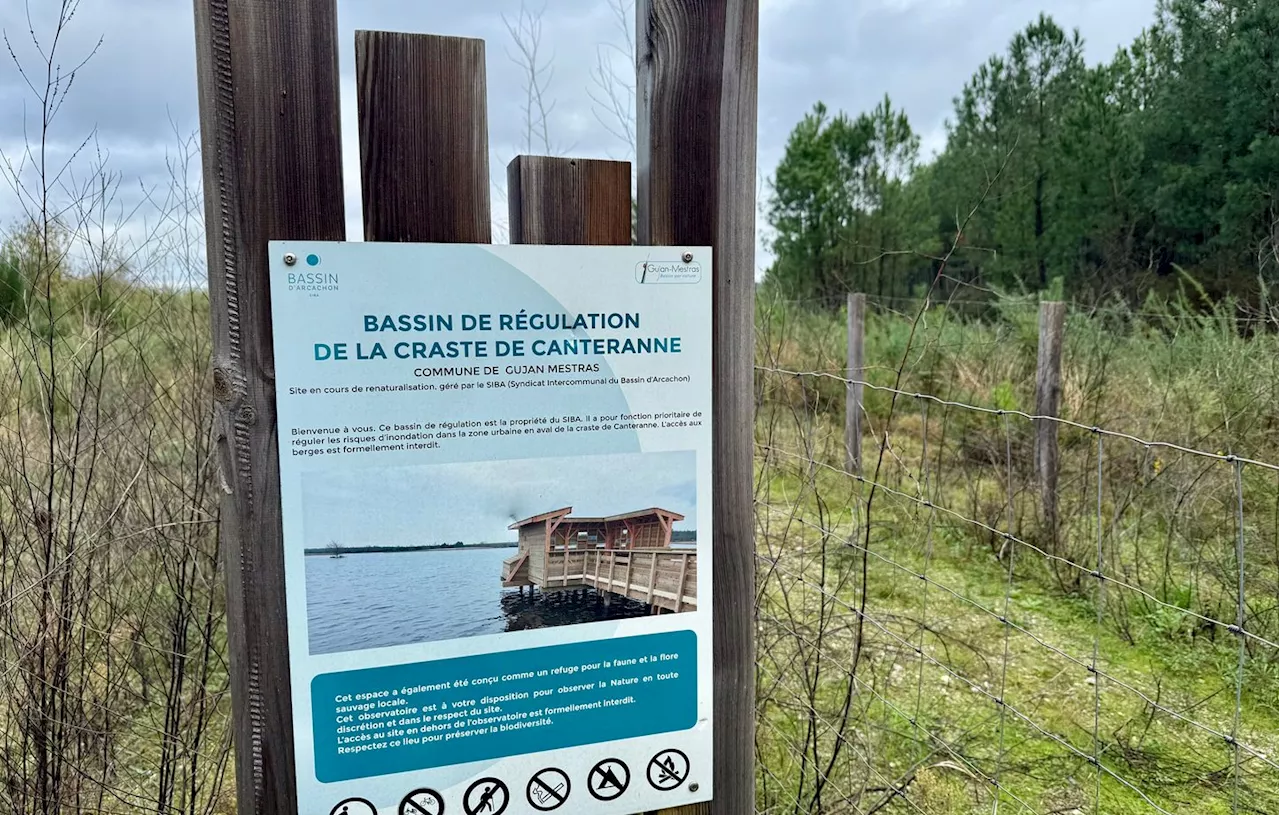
x=424, y=138
x=569, y=201
x=272, y=156
x=696, y=176
x=1048, y=399
x=854, y=373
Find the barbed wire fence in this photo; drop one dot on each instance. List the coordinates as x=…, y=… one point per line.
x=930, y=643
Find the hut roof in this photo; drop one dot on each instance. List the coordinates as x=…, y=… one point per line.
x=564, y=515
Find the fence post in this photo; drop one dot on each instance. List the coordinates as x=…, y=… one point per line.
x=1048, y=399
x=853, y=389
x=696, y=175
x=272, y=157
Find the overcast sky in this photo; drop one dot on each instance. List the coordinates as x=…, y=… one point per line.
x=475, y=502
x=139, y=89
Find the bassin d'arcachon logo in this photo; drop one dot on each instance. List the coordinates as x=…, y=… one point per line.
x=312, y=280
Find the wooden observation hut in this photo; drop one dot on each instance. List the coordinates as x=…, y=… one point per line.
x=629, y=555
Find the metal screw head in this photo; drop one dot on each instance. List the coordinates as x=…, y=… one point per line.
x=688, y=257
x=693, y=787
x=290, y=258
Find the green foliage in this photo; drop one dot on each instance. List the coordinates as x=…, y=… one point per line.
x=1109, y=177
x=841, y=206
x=13, y=288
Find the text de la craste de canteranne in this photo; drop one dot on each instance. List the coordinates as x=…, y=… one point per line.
x=479, y=336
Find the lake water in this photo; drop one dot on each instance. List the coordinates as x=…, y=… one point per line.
x=397, y=598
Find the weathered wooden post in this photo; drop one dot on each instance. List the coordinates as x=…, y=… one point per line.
x=696, y=163
x=1048, y=399
x=854, y=373
x=272, y=154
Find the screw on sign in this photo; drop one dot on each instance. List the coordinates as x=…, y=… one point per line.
x=422, y=802
x=608, y=779
x=668, y=770
x=488, y=796
x=548, y=789
x=353, y=806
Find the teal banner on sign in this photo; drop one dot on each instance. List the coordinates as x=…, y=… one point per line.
x=417, y=716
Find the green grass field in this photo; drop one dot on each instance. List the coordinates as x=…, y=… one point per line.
x=930, y=723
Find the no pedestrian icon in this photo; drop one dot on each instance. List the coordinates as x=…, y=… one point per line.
x=488, y=796
x=422, y=802
x=353, y=806
x=548, y=789
x=608, y=779
x=668, y=770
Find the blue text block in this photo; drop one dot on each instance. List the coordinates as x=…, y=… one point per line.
x=377, y=721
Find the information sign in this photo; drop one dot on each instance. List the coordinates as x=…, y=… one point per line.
x=496, y=481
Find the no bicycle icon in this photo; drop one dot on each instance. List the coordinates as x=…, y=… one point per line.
x=422, y=802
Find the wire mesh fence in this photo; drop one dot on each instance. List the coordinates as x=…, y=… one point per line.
x=929, y=642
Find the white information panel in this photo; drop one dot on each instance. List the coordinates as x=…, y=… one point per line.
x=496, y=475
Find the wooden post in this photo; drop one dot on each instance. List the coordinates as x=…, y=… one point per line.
x=696, y=170
x=424, y=139
x=855, y=372
x=569, y=201
x=1048, y=398
x=272, y=156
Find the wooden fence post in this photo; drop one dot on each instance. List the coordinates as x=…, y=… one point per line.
x=696, y=169
x=853, y=389
x=272, y=156
x=1048, y=399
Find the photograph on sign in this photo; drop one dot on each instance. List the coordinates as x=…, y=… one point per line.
x=496, y=481
x=437, y=552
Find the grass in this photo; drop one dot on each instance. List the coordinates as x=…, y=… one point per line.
x=921, y=732
x=926, y=732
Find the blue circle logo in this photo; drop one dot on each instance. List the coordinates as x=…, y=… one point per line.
x=313, y=260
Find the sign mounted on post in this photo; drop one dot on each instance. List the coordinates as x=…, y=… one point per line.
x=496, y=486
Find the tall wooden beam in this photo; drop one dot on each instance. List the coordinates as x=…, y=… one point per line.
x=696, y=166
x=272, y=155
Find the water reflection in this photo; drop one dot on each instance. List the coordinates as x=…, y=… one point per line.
x=545, y=609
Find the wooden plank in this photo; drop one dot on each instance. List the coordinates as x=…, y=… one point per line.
x=272, y=156
x=569, y=201
x=684, y=568
x=853, y=389
x=424, y=139
x=696, y=165
x=1048, y=399
x=653, y=573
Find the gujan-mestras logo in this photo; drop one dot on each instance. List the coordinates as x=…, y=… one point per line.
x=658, y=271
